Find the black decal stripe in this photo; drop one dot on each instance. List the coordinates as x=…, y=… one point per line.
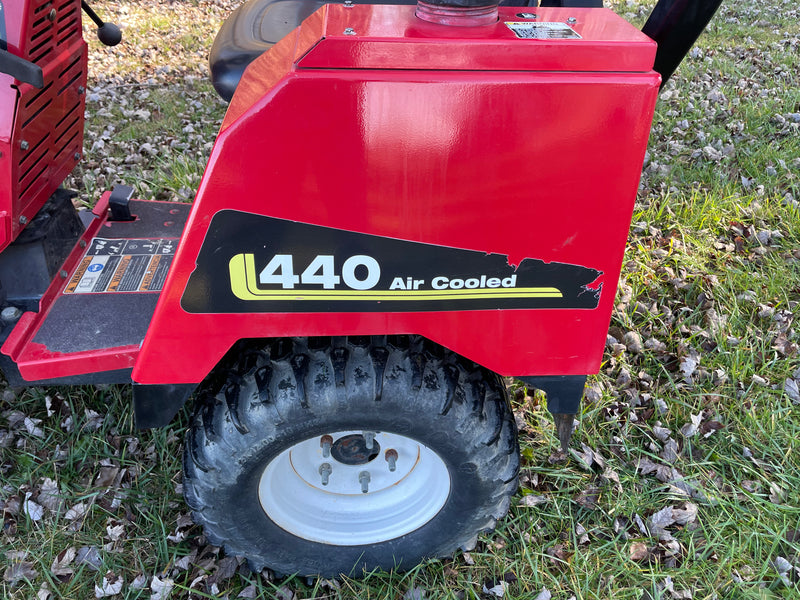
x=237, y=244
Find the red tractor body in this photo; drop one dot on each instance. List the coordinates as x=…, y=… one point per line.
x=487, y=178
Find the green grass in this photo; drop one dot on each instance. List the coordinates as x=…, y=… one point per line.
x=694, y=247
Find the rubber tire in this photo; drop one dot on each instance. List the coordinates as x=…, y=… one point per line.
x=297, y=389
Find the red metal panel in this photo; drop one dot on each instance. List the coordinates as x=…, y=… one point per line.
x=46, y=138
x=539, y=165
x=395, y=39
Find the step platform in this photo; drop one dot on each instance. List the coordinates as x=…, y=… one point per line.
x=95, y=314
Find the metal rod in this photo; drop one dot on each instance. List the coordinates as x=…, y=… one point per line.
x=91, y=14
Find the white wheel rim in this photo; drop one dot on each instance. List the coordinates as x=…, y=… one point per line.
x=398, y=502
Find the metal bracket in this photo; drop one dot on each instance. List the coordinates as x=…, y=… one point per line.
x=119, y=203
x=157, y=405
x=564, y=392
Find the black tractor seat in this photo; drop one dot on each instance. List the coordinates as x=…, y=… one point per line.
x=257, y=25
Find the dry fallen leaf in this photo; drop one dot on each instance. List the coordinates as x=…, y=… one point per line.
x=588, y=498
x=139, y=582
x=689, y=365
x=530, y=500
x=49, y=496
x=685, y=515
x=611, y=475
x=498, y=591
x=90, y=556
x=61, y=565
x=115, y=530
x=34, y=511
x=160, y=588
x=19, y=569
x=581, y=534
x=690, y=429
x=284, y=593
x=415, y=593
x=543, y=595
x=668, y=586
x=185, y=562
x=638, y=551
x=31, y=425
x=662, y=433
x=111, y=585
x=76, y=512
x=670, y=452
x=106, y=476
x=790, y=387
x=248, y=592
x=44, y=592
x=659, y=521
x=183, y=525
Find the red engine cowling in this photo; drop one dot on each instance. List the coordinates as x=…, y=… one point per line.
x=380, y=174
x=41, y=130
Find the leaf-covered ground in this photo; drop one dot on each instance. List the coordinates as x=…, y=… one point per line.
x=683, y=478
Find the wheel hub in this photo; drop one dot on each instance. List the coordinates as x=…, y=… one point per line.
x=352, y=450
x=345, y=492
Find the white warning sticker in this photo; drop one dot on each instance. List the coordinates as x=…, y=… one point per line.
x=123, y=265
x=542, y=31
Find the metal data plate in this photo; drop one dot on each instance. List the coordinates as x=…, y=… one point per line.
x=542, y=31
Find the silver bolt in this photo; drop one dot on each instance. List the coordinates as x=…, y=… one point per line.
x=325, y=443
x=10, y=314
x=348, y=3
x=391, y=458
x=369, y=439
x=572, y=20
x=64, y=274
x=77, y=156
x=82, y=243
x=325, y=471
x=364, y=479
x=81, y=90
x=349, y=31
x=51, y=16
x=24, y=145
x=23, y=219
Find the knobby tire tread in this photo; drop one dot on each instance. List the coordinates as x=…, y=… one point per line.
x=298, y=379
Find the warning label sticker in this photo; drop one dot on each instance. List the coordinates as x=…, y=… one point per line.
x=123, y=265
x=542, y=31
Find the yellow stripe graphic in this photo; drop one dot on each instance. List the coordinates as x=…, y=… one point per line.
x=244, y=285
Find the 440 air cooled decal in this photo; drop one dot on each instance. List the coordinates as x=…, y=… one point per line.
x=251, y=263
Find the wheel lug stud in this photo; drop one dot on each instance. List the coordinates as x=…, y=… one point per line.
x=364, y=479
x=391, y=457
x=325, y=471
x=369, y=439
x=325, y=443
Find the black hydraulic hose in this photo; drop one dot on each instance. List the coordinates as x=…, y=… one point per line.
x=675, y=25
